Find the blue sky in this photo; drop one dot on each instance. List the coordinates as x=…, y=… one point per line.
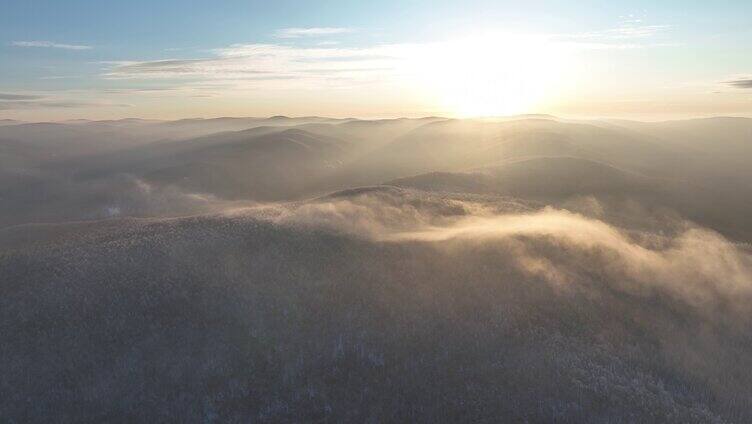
x=167, y=59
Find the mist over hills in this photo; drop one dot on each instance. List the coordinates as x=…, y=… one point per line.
x=280, y=269
x=104, y=165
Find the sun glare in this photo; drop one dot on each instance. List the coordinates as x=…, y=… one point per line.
x=492, y=74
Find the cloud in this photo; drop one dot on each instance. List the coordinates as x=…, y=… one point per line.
x=631, y=27
x=12, y=101
x=630, y=34
x=265, y=65
x=340, y=58
x=139, y=90
x=6, y=96
x=627, y=31
x=740, y=83
x=310, y=32
x=50, y=44
x=9, y=101
x=53, y=104
x=59, y=77
x=154, y=68
x=283, y=66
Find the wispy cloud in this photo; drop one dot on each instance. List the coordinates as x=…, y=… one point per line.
x=50, y=44
x=256, y=64
x=626, y=31
x=316, y=66
x=59, y=77
x=157, y=68
x=138, y=90
x=59, y=104
x=631, y=33
x=7, y=96
x=310, y=32
x=10, y=101
x=740, y=82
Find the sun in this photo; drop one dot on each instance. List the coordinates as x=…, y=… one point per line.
x=492, y=74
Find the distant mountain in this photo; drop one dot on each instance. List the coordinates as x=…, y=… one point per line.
x=91, y=169
x=726, y=137
x=274, y=165
x=37, y=143
x=451, y=145
x=53, y=141
x=542, y=178
x=369, y=134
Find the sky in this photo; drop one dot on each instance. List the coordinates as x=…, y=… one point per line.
x=181, y=59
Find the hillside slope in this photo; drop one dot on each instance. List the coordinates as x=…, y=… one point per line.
x=371, y=305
